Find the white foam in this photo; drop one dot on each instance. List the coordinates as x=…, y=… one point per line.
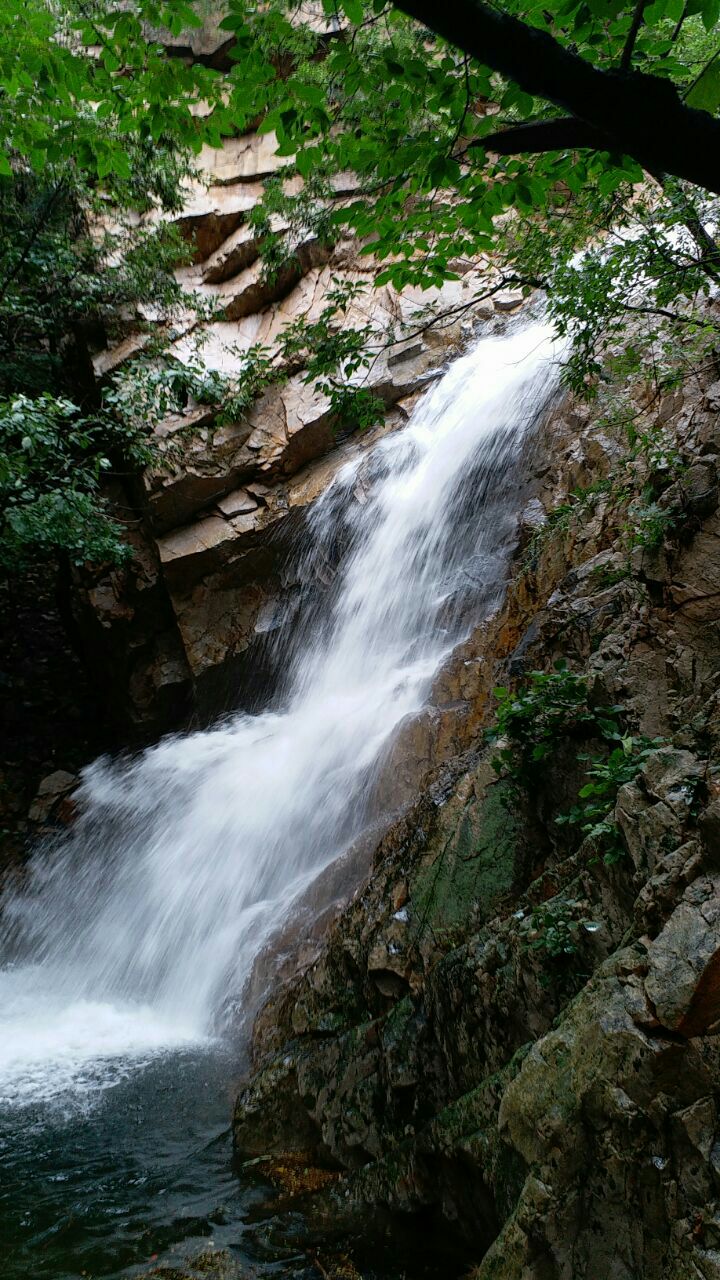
x=51, y=1044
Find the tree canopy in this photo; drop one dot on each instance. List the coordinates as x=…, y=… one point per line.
x=432, y=133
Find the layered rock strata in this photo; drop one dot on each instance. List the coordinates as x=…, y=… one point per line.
x=211, y=521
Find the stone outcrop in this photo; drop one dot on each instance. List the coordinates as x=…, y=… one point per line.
x=180, y=629
x=503, y=1032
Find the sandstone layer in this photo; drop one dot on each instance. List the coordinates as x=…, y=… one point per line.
x=212, y=522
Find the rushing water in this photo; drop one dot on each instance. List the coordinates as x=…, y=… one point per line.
x=135, y=932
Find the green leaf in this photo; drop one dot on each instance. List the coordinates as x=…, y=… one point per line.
x=304, y=163
x=310, y=93
x=120, y=164
x=353, y=10
x=710, y=13
x=705, y=93
x=233, y=22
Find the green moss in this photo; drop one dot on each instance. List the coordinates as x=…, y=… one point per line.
x=470, y=1124
x=475, y=1110
x=510, y=1172
x=398, y=1021
x=474, y=866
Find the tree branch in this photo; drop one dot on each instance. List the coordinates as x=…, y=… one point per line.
x=40, y=224
x=640, y=115
x=635, y=26
x=562, y=134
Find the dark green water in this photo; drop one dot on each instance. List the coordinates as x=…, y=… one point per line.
x=120, y=1179
x=117, y=1181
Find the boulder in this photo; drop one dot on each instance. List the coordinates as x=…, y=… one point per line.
x=52, y=800
x=684, y=977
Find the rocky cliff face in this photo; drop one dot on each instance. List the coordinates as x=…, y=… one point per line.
x=212, y=523
x=510, y=1032
x=503, y=1033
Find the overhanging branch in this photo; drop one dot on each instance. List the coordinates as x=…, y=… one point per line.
x=639, y=115
x=565, y=133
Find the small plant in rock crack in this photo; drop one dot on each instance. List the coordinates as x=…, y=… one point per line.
x=594, y=813
x=553, y=930
x=605, y=576
x=655, y=445
x=650, y=524
x=560, y=518
x=530, y=723
x=557, y=522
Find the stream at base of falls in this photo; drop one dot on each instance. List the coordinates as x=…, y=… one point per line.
x=101, y=1181
x=138, y=1176
x=129, y=950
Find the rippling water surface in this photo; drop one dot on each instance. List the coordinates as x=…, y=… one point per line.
x=131, y=1169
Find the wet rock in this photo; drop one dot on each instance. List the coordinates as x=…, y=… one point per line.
x=560, y=1116
x=556, y=1111
x=659, y=895
x=238, y=503
x=208, y=1264
x=239, y=251
x=696, y=492
x=251, y=289
x=52, y=801
x=532, y=519
x=508, y=300
x=672, y=776
x=684, y=978
x=211, y=216
x=203, y=543
x=712, y=397
x=648, y=828
x=248, y=158
x=696, y=583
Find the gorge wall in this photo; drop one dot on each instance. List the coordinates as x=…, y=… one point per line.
x=504, y=1035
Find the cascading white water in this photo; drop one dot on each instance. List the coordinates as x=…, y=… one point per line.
x=132, y=932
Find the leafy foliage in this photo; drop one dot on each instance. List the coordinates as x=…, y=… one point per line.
x=333, y=354
x=73, y=264
x=63, y=286
x=553, y=929
x=560, y=517
x=51, y=462
x=532, y=722
x=594, y=815
x=96, y=120
x=61, y=294
x=83, y=79
x=407, y=114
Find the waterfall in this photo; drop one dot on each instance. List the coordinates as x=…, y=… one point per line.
x=130, y=933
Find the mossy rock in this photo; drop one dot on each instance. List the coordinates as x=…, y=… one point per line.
x=477, y=862
x=210, y=1264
